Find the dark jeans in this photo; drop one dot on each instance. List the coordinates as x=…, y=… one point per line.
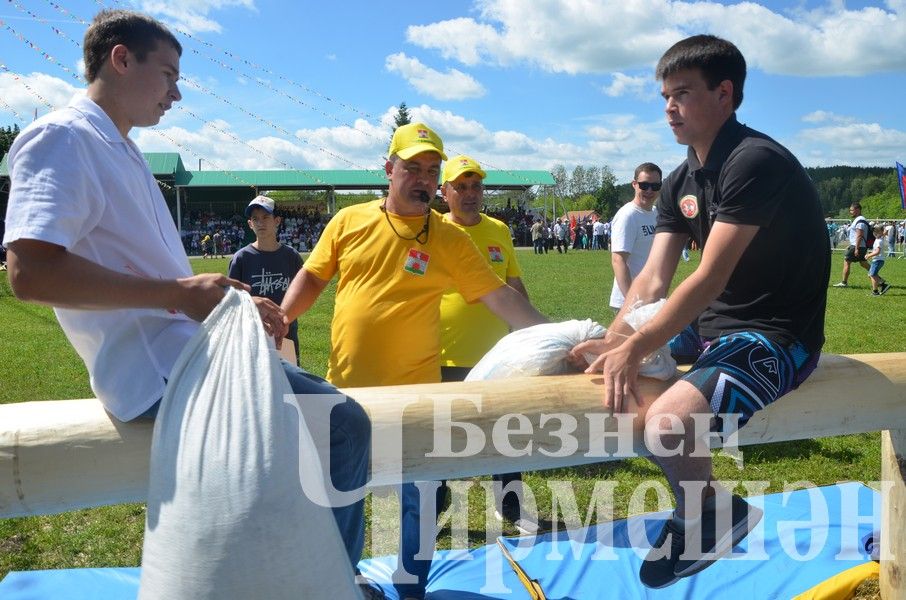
x=511, y=499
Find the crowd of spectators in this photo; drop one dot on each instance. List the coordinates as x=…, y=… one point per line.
x=198, y=224
x=300, y=230
x=520, y=222
x=302, y=227
x=894, y=232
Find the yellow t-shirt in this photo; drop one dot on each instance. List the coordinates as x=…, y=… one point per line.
x=385, y=327
x=468, y=331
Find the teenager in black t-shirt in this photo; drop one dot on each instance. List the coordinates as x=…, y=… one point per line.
x=745, y=200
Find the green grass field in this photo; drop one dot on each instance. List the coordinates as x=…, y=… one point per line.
x=37, y=363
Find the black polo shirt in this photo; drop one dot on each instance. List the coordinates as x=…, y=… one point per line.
x=779, y=286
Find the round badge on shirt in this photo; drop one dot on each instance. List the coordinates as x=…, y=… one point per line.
x=688, y=205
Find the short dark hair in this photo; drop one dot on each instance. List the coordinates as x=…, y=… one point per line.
x=856, y=205
x=716, y=58
x=138, y=32
x=647, y=168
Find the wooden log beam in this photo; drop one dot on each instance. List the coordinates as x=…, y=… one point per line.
x=893, y=516
x=63, y=455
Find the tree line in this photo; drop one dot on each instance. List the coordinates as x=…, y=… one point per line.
x=7, y=135
x=595, y=188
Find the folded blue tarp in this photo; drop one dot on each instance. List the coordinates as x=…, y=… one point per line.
x=805, y=537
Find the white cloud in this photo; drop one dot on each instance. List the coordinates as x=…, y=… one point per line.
x=452, y=85
x=586, y=36
x=565, y=36
x=461, y=39
x=642, y=86
x=192, y=15
x=619, y=141
x=849, y=144
x=823, y=116
x=25, y=93
x=826, y=41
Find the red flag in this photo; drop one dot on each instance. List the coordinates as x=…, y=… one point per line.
x=901, y=178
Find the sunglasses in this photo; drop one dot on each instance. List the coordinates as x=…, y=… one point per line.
x=649, y=185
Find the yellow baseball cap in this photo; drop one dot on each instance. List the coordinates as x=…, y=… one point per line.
x=415, y=138
x=458, y=165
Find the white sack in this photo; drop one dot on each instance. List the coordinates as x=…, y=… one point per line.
x=537, y=350
x=227, y=517
x=542, y=349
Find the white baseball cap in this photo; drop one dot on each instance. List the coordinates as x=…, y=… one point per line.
x=262, y=201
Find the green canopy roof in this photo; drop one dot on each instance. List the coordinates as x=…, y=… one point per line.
x=169, y=166
x=339, y=180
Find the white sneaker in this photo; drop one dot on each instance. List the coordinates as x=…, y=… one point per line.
x=524, y=525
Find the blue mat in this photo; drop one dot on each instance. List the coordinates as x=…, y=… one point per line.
x=805, y=537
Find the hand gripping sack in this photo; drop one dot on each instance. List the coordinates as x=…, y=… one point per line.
x=542, y=349
x=660, y=364
x=227, y=517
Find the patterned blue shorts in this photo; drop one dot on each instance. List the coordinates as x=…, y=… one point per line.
x=743, y=372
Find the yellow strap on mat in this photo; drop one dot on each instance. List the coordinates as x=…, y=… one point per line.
x=843, y=585
x=531, y=585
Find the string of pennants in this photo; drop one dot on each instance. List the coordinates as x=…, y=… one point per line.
x=19, y=117
x=239, y=140
x=196, y=85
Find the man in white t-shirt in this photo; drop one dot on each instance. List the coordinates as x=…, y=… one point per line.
x=858, y=232
x=597, y=239
x=89, y=233
x=632, y=231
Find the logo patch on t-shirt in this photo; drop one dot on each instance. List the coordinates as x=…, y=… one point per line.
x=416, y=262
x=688, y=205
x=495, y=253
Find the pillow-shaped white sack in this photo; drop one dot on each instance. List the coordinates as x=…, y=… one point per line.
x=537, y=350
x=227, y=517
x=542, y=349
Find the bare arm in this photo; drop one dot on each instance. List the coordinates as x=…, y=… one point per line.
x=516, y=284
x=619, y=366
x=620, y=263
x=512, y=307
x=650, y=285
x=46, y=273
x=302, y=293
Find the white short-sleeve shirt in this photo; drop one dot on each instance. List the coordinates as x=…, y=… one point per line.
x=632, y=231
x=76, y=182
x=859, y=222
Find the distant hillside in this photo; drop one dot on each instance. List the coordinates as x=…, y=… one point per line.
x=874, y=187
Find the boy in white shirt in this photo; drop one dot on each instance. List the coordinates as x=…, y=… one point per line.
x=879, y=286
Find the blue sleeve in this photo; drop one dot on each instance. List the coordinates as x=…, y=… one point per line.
x=235, y=269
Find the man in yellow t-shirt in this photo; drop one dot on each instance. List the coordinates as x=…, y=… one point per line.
x=468, y=331
x=395, y=258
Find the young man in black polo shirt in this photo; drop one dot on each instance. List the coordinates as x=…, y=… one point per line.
x=746, y=201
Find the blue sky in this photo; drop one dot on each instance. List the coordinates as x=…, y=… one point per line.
x=516, y=84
